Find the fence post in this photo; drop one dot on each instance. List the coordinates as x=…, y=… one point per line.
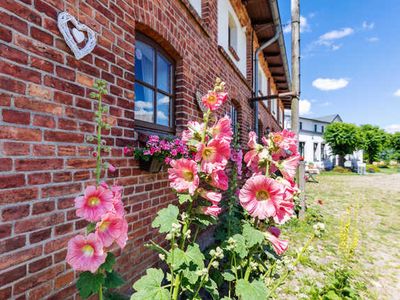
x=302, y=187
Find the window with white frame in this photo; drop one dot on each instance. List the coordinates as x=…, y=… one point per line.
x=232, y=35
x=232, y=32
x=196, y=5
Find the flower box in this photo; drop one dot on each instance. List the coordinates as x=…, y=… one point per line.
x=152, y=165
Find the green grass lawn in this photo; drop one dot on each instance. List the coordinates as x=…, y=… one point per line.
x=375, y=265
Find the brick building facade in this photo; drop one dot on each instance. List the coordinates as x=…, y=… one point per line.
x=46, y=114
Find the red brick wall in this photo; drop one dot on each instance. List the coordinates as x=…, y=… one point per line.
x=45, y=115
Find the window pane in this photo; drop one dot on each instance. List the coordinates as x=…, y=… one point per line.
x=144, y=62
x=144, y=109
x=163, y=109
x=163, y=74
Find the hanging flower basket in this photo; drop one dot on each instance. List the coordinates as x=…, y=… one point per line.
x=152, y=165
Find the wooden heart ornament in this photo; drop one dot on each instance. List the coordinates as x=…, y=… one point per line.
x=76, y=35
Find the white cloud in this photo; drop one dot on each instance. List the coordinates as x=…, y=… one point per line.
x=397, y=93
x=304, y=26
x=368, y=26
x=326, y=103
x=336, y=34
x=304, y=107
x=330, y=84
x=393, y=128
x=373, y=39
x=336, y=47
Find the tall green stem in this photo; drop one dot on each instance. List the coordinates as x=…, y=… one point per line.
x=101, y=293
x=98, y=161
x=283, y=278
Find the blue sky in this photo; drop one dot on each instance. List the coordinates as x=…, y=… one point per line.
x=350, y=59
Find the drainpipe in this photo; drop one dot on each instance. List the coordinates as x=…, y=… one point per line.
x=255, y=71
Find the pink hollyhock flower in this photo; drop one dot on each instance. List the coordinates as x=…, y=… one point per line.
x=285, y=142
x=280, y=246
x=251, y=157
x=183, y=175
x=213, y=197
x=127, y=150
x=85, y=253
x=111, y=168
x=260, y=196
x=214, y=100
x=222, y=130
x=111, y=228
x=219, y=179
x=117, y=200
x=252, y=143
x=213, y=210
x=213, y=155
x=94, y=203
x=237, y=158
x=288, y=167
x=193, y=132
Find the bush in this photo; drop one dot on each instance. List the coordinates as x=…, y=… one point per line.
x=372, y=169
x=338, y=286
x=339, y=169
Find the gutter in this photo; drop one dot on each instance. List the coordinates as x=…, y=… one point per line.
x=255, y=72
x=281, y=42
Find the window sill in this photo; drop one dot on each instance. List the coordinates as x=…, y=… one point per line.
x=233, y=65
x=234, y=54
x=146, y=129
x=199, y=20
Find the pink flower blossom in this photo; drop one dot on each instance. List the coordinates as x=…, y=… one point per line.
x=280, y=246
x=252, y=143
x=94, y=203
x=219, y=179
x=288, y=167
x=285, y=143
x=127, y=150
x=85, y=253
x=223, y=129
x=214, y=155
x=213, y=197
x=213, y=210
x=117, y=200
x=111, y=168
x=112, y=228
x=183, y=175
x=237, y=158
x=214, y=100
x=260, y=195
x=192, y=135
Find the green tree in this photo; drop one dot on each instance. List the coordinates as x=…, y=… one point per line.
x=343, y=138
x=395, y=145
x=374, y=141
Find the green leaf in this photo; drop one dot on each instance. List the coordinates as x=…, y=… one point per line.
x=212, y=288
x=89, y=284
x=109, y=263
x=90, y=228
x=165, y=218
x=252, y=235
x=155, y=247
x=250, y=291
x=114, y=296
x=193, y=255
x=184, y=198
x=228, y=276
x=240, y=247
x=113, y=280
x=204, y=220
x=149, y=287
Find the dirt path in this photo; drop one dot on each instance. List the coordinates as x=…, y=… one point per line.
x=377, y=259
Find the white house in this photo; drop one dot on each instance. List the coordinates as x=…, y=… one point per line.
x=312, y=145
